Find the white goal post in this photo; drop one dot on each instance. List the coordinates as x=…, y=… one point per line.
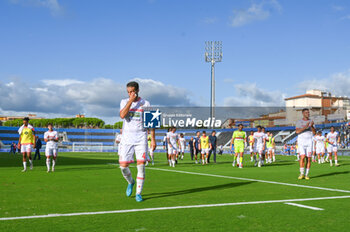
x=87, y=147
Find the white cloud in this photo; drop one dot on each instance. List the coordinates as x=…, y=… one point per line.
x=250, y=94
x=63, y=82
x=337, y=8
x=345, y=17
x=337, y=84
x=53, y=5
x=256, y=12
x=99, y=97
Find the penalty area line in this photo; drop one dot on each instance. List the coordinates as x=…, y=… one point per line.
x=249, y=179
x=303, y=206
x=170, y=208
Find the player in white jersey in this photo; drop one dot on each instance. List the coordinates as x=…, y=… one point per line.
x=134, y=139
x=118, y=139
x=182, y=143
x=319, y=141
x=305, y=129
x=173, y=139
x=265, y=152
x=259, y=145
x=333, y=140
x=313, y=149
x=51, y=139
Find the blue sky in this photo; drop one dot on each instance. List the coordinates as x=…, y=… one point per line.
x=77, y=49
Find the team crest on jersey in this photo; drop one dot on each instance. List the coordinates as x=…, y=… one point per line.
x=152, y=118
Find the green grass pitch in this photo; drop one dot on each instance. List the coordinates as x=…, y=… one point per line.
x=92, y=182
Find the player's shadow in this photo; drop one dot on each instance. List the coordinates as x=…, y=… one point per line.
x=194, y=190
x=331, y=174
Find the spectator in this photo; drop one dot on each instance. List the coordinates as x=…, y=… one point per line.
x=37, y=147
x=212, y=141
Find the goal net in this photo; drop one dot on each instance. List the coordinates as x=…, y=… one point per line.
x=87, y=147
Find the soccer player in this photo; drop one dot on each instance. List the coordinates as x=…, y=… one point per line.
x=118, y=139
x=212, y=141
x=313, y=149
x=333, y=139
x=239, y=138
x=320, y=146
x=26, y=142
x=259, y=145
x=182, y=142
x=134, y=139
x=196, y=146
x=251, y=150
x=326, y=144
x=265, y=153
x=173, y=139
x=51, y=139
x=270, y=144
x=165, y=145
x=150, y=150
x=190, y=145
x=305, y=129
x=204, y=146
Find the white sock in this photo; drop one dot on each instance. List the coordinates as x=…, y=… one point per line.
x=31, y=162
x=53, y=163
x=48, y=164
x=173, y=162
x=24, y=165
x=336, y=161
x=331, y=161
x=302, y=171
x=127, y=174
x=307, y=172
x=140, y=178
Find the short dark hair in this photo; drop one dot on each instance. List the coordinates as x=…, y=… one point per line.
x=213, y=131
x=49, y=124
x=197, y=132
x=333, y=127
x=133, y=84
x=259, y=127
x=305, y=109
x=26, y=119
x=181, y=134
x=240, y=124
x=204, y=132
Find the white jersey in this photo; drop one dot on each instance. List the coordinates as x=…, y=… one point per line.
x=319, y=140
x=332, y=138
x=133, y=131
x=259, y=138
x=306, y=135
x=51, y=135
x=173, y=137
x=182, y=142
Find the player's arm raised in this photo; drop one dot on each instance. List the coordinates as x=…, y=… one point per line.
x=123, y=112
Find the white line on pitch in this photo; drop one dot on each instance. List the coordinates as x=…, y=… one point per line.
x=171, y=208
x=248, y=179
x=303, y=206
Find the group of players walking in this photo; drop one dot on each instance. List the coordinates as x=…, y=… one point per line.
x=136, y=140
x=26, y=144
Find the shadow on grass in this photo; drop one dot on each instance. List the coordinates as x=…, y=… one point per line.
x=194, y=190
x=331, y=174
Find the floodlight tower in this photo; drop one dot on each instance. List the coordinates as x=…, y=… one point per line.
x=213, y=54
